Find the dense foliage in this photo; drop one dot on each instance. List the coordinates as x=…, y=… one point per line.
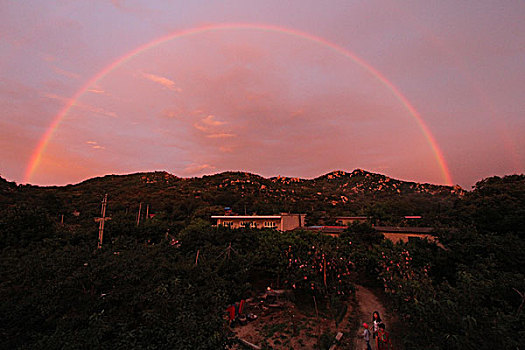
x=180, y=200
x=165, y=282
x=470, y=294
x=150, y=291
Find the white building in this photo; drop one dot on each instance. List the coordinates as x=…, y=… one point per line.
x=281, y=222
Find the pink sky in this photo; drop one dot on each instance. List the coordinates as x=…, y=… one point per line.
x=267, y=102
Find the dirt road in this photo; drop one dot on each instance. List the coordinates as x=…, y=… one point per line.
x=367, y=304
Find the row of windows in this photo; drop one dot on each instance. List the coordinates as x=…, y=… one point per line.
x=270, y=224
x=252, y=224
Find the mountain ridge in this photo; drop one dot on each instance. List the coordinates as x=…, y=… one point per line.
x=332, y=175
x=336, y=193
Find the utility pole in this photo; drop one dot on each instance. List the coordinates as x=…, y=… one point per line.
x=138, y=216
x=101, y=221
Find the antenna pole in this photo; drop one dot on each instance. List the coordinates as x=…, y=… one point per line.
x=101, y=220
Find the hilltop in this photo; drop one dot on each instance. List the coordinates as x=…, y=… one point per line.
x=336, y=193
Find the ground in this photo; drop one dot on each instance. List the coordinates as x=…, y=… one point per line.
x=288, y=327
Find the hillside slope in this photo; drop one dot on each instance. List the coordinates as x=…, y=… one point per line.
x=337, y=193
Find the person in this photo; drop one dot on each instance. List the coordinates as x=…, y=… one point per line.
x=383, y=338
x=366, y=336
x=376, y=321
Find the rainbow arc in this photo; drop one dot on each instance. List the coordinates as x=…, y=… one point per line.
x=36, y=156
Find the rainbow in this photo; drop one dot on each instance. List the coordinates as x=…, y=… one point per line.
x=44, y=140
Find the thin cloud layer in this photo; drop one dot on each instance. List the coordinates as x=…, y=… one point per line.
x=167, y=83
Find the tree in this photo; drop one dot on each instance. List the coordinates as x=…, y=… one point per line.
x=22, y=225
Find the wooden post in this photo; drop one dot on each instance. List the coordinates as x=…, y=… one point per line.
x=62, y=220
x=138, y=216
x=147, y=211
x=197, y=257
x=250, y=345
x=324, y=271
x=101, y=221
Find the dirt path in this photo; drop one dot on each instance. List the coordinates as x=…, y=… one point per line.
x=367, y=304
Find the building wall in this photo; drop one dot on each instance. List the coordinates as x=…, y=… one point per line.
x=292, y=221
x=404, y=237
x=346, y=221
x=283, y=222
x=234, y=222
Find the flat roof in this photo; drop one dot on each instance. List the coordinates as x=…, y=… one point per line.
x=390, y=229
x=327, y=229
x=351, y=217
x=246, y=216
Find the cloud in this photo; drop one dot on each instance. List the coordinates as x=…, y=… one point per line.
x=220, y=136
x=66, y=73
x=95, y=145
x=210, y=120
x=197, y=168
x=97, y=110
x=209, y=125
x=169, y=114
x=200, y=127
x=167, y=83
x=97, y=91
x=81, y=106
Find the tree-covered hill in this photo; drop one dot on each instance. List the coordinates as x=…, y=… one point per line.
x=180, y=199
x=164, y=283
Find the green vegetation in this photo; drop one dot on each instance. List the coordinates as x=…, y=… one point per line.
x=166, y=282
x=179, y=201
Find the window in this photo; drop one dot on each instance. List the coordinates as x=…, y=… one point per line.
x=270, y=224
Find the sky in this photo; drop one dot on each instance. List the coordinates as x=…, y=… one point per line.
x=427, y=91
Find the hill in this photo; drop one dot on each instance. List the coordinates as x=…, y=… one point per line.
x=180, y=199
x=59, y=290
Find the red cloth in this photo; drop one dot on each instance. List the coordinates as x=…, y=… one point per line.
x=383, y=340
x=241, y=307
x=231, y=312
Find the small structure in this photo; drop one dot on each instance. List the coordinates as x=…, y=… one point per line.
x=281, y=222
x=327, y=230
x=395, y=234
x=405, y=234
x=345, y=220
